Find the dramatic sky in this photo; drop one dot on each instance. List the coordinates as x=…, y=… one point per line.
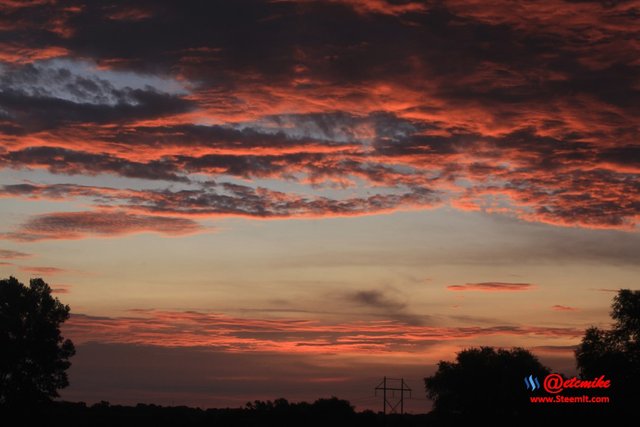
x=250, y=199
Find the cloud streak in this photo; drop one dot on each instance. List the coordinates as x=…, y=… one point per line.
x=49, y=271
x=76, y=225
x=9, y=254
x=212, y=200
x=492, y=287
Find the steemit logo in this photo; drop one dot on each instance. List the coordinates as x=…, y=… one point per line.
x=531, y=383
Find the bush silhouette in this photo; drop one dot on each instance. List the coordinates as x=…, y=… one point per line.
x=33, y=354
x=484, y=382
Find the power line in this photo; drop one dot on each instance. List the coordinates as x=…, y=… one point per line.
x=392, y=385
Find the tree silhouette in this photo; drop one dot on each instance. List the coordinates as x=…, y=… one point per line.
x=616, y=352
x=484, y=382
x=33, y=354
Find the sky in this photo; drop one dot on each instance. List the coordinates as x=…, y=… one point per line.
x=248, y=199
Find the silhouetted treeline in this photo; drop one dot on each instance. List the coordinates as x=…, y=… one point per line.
x=332, y=412
x=281, y=413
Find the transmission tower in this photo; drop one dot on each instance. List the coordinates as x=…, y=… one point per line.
x=389, y=400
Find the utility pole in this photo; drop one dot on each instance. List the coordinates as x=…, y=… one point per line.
x=402, y=396
x=384, y=396
x=392, y=385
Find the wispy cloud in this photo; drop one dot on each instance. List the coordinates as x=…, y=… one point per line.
x=9, y=254
x=43, y=270
x=492, y=287
x=376, y=299
x=558, y=307
x=381, y=304
x=60, y=289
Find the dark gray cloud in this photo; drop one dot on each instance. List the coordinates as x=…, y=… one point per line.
x=70, y=162
x=218, y=41
x=35, y=97
x=381, y=305
x=31, y=113
x=228, y=199
x=218, y=137
x=376, y=299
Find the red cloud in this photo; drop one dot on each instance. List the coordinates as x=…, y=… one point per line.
x=16, y=53
x=193, y=329
x=383, y=7
x=492, y=287
x=484, y=104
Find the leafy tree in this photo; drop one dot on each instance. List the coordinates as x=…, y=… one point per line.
x=616, y=352
x=33, y=354
x=484, y=382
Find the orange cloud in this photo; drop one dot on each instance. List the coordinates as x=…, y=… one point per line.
x=18, y=54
